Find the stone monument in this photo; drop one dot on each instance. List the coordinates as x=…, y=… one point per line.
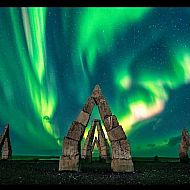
x=5, y=144
x=184, y=146
x=121, y=156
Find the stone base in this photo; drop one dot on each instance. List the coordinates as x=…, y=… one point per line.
x=67, y=164
x=122, y=165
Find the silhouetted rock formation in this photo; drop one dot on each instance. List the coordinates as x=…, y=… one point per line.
x=121, y=156
x=184, y=147
x=5, y=144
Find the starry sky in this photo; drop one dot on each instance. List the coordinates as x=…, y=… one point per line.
x=51, y=59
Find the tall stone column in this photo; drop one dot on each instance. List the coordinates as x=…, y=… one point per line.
x=184, y=146
x=70, y=159
x=5, y=144
x=121, y=155
x=7, y=152
x=104, y=146
x=88, y=144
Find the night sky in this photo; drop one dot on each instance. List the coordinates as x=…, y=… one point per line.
x=51, y=59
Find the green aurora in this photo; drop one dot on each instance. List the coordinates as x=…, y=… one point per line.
x=51, y=59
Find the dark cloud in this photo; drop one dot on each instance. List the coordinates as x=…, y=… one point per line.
x=174, y=141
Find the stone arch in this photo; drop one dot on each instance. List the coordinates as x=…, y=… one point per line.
x=121, y=156
x=5, y=144
x=101, y=142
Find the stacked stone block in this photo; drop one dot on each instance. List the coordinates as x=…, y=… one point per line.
x=121, y=156
x=184, y=146
x=103, y=143
x=88, y=144
x=70, y=159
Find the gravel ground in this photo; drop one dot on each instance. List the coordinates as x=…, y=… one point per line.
x=46, y=172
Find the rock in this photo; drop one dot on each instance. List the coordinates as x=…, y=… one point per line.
x=71, y=147
x=88, y=107
x=116, y=134
x=104, y=146
x=184, y=146
x=122, y=165
x=87, y=148
x=96, y=92
x=83, y=118
x=120, y=150
x=5, y=144
x=111, y=122
x=104, y=108
x=76, y=131
x=69, y=164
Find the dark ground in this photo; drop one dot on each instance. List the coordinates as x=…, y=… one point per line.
x=46, y=172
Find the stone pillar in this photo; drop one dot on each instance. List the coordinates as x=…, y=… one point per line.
x=121, y=156
x=7, y=152
x=184, y=147
x=104, y=146
x=5, y=144
x=88, y=145
x=70, y=159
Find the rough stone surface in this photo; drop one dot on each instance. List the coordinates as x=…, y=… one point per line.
x=104, y=108
x=76, y=131
x=110, y=122
x=101, y=142
x=88, y=107
x=87, y=148
x=70, y=147
x=101, y=136
x=5, y=144
x=120, y=150
x=122, y=165
x=116, y=134
x=69, y=164
x=5, y=154
x=104, y=146
x=83, y=118
x=184, y=146
x=96, y=92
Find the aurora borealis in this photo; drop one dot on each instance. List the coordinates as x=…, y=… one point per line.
x=51, y=59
